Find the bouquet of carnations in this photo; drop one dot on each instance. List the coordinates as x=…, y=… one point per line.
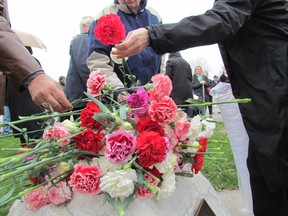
x=125, y=151
x=133, y=149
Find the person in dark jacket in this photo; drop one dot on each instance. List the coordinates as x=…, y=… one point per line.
x=199, y=85
x=134, y=14
x=25, y=72
x=78, y=72
x=253, y=40
x=21, y=104
x=180, y=73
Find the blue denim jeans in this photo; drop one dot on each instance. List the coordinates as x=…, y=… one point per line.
x=6, y=118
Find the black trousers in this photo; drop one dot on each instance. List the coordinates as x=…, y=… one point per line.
x=265, y=202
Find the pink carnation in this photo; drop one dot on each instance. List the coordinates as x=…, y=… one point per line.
x=182, y=128
x=163, y=112
x=60, y=132
x=36, y=199
x=162, y=87
x=120, y=146
x=95, y=83
x=85, y=179
x=139, y=99
x=47, y=134
x=59, y=194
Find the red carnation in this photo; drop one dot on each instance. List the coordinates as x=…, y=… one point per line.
x=110, y=30
x=146, y=124
x=89, y=140
x=198, y=159
x=151, y=147
x=86, y=116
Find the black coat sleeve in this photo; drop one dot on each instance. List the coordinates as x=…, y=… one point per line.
x=223, y=20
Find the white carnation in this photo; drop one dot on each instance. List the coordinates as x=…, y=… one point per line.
x=167, y=187
x=209, y=129
x=106, y=165
x=194, y=130
x=119, y=183
x=114, y=57
x=168, y=165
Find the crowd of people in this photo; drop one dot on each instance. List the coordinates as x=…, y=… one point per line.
x=253, y=40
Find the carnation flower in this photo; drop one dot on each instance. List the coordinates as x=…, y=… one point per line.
x=59, y=194
x=139, y=99
x=119, y=183
x=110, y=30
x=85, y=179
x=120, y=146
x=198, y=159
x=47, y=134
x=89, y=140
x=147, y=124
x=60, y=132
x=167, y=187
x=163, y=112
x=181, y=128
x=151, y=147
x=106, y=165
x=169, y=164
x=162, y=87
x=86, y=116
x=36, y=199
x=95, y=83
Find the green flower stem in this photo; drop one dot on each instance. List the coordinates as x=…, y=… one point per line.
x=135, y=164
x=213, y=158
x=245, y=100
x=120, y=207
x=42, y=117
x=214, y=141
x=35, y=165
x=129, y=164
x=189, y=145
x=17, y=149
x=209, y=152
x=153, y=188
x=22, y=193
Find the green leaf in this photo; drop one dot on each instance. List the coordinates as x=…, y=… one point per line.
x=140, y=178
x=194, y=101
x=122, y=112
x=102, y=107
x=7, y=195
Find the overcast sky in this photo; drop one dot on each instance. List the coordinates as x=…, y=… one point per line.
x=56, y=22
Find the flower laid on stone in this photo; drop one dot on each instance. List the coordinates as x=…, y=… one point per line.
x=124, y=151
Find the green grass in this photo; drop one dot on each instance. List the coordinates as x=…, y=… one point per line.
x=8, y=142
x=222, y=172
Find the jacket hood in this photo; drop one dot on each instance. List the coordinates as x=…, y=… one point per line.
x=174, y=55
x=142, y=5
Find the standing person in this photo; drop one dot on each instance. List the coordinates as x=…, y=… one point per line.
x=134, y=14
x=207, y=91
x=6, y=118
x=253, y=39
x=180, y=73
x=78, y=72
x=62, y=81
x=21, y=104
x=24, y=70
x=215, y=81
x=199, y=85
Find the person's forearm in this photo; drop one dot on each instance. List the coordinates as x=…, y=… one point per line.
x=14, y=57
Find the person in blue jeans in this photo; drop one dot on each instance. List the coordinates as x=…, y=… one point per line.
x=6, y=118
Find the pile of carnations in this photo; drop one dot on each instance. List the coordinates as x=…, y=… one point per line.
x=122, y=150
x=127, y=150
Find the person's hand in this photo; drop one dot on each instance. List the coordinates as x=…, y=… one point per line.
x=122, y=96
x=134, y=43
x=47, y=92
x=203, y=82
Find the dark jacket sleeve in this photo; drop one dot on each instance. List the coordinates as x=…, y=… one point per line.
x=223, y=20
x=14, y=57
x=80, y=54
